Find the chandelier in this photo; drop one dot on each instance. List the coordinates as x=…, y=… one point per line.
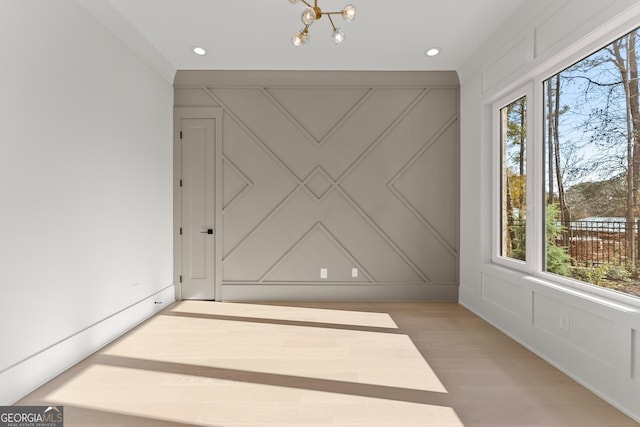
x=313, y=13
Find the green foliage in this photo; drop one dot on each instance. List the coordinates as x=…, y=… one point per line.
x=558, y=260
x=605, y=275
x=593, y=275
x=616, y=272
x=519, y=241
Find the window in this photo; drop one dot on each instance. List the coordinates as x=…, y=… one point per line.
x=513, y=200
x=592, y=168
x=567, y=200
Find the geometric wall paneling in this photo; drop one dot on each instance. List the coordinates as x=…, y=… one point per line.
x=367, y=185
x=351, y=142
x=317, y=249
x=271, y=184
x=308, y=107
x=272, y=239
x=327, y=176
x=318, y=183
x=291, y=146
x=368, y=244
x=273, y=129
x=426, y=199
x=233, y=183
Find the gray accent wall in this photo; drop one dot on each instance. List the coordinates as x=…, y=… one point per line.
x=335, y=170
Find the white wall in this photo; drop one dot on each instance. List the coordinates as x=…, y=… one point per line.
x=85, y=190
x=602, y=348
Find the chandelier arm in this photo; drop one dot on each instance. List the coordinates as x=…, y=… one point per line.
x=332, y=13
x=331, y=20
x=305, y=2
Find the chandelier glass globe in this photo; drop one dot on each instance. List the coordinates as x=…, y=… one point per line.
x=308, y=16
x=337, y=36
x=349, y=12
x=300, y=38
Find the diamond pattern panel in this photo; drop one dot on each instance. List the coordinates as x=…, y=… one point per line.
x=318, y=183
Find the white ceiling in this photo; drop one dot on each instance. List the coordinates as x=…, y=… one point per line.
x=255, y=34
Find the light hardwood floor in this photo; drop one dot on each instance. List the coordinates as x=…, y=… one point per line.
x=320, y=364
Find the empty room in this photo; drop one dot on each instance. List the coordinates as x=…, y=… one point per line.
x=320, y=213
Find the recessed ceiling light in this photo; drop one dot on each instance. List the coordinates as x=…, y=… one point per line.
x=199, y=50
x=432, y=52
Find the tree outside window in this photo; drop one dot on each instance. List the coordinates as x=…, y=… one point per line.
x=592, y=168
x=513, y=119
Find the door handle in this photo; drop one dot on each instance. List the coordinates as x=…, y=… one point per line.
x=207, y=231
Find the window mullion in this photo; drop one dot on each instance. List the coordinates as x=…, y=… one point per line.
x=535, y=179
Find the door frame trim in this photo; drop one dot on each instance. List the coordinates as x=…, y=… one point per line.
x=179, y=113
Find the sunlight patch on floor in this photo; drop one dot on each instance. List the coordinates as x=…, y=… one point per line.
x=298, y=314
x=211, y=401
x=363, y=357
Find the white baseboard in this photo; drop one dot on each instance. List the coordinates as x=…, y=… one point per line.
x=24, y=377
x=340, y=292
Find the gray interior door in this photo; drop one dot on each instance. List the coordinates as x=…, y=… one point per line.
x=198, y=208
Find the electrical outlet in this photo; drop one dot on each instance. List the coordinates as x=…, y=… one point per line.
x=323, y=273
x=354, y=272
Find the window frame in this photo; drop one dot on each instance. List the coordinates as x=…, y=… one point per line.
x=496, y=121
x=530, y=84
